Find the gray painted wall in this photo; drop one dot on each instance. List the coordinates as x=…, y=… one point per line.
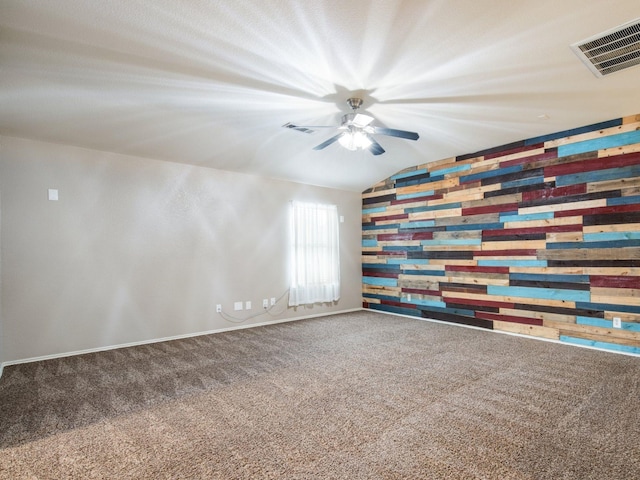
x=138, y=249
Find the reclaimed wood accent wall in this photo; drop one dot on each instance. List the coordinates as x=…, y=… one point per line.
x=539, y=237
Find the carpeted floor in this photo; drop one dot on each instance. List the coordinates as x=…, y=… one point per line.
x=353, y=396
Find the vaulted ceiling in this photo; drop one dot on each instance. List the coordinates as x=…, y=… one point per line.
x=211, y=83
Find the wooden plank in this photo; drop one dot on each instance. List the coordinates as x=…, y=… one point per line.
x=447, y=183
x=558, y=317
x=617, y=184
x=514, y=300
x=519, y=245
x=623, y=316
x=615, y=300
x=561, y=207
x=623, y=227
x=616, y=282
x=595, y=134
x=531, y=330
x=615, y=335
x=628, y=253
x=564, y=237
x=622, y=150
x=575, y=220
x=432, y=214
x=382, y=193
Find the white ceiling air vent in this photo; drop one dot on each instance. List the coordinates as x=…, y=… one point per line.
x=611, y=51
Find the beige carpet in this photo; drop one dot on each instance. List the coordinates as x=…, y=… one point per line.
x=362, y=395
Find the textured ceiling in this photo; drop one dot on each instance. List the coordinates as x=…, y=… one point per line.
x=211, y=82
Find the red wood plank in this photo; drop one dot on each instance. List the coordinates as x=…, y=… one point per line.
x=598, y=210
x=399, y=216
x=616, y=161
x=614, y=281
x=508, y=318
x=554, y=192
x=369, y=273
x=387, y=237
x=502, y=207
x=469, y=268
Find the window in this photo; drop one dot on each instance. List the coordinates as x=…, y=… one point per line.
x=315, y=254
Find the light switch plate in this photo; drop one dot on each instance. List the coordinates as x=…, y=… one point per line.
x=237, y=306
x=53, y=194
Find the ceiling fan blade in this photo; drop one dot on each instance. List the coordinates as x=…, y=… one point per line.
x=326, y=143
x=375, y=147
x=306, y=128
x=396, y=133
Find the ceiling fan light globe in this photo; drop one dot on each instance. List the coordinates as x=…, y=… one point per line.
x=348, y=141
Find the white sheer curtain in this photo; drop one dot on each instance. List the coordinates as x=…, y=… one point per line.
x=315, y=254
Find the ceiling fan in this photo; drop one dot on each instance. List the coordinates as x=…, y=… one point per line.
x=355, y=131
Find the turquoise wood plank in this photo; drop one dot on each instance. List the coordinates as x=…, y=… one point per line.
x=381, y=266
x=596, y=144
x=525, y=217
x=401, y=248
x=429, y=303
x=598, y=176
x=512, y=263
x=413, y=312
x=405, y=196
x=610, y=236
x=374, y=210
x=539, y=293
x=421, y=224
x=603, y=345
x=600, y=322
x=475, y=226
x=380, y=281
x=369, y=243
x=413, y=173
x=380, y=227
x=444, y=171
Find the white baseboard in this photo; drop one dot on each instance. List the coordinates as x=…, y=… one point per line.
x=166, y=339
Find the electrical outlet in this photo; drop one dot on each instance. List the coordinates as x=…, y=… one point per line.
x=247, y=305
x=617, y=323
x=218, y=308
x=237, y=306
x=273, y=301
x=408, y=297
x=265, y=303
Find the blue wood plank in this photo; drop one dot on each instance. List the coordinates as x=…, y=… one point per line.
x=631, y=200
x=605, y=244
x=575, y=131
x=599, y=322
x=380, y=227
x=369, y=243
x=381, y=266
x=523, y=181
x=598, y=176
x=627, y=138
x=542, y=277
x=413, y=312
x=380, y=281
x=429, y=303
x=491, y=173
x=539, y=293
x=475, y=226
x=402, y=248
x=388, y=298
x=603, y=345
